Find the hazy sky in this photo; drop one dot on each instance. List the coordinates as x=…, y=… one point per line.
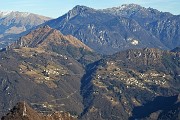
x=56, y=8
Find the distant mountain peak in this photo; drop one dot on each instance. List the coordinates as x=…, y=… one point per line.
x=46, y=26
x=14, y=13
x=36, y=37
x=43, y=29
x=21, y=15
x=44, y=36
x=131, y=5
x=128, y=10
x=125, y=7
x=81, y=7
x=79, y=10
x=14, y=24
x=4, y=13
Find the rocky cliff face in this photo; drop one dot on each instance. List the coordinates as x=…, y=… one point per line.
x=114, y=29
x=23, y=111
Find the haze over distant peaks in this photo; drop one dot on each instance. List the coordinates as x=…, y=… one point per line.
x=13, y=23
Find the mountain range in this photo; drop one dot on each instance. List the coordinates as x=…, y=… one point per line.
x=106, y=31
x=115, y=29
x=120, y=63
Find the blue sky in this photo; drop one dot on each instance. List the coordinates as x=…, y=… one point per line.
x=56, y=8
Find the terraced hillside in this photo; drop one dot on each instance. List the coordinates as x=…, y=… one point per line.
x=134, y=84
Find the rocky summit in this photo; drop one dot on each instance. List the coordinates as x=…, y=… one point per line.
x=23, y=111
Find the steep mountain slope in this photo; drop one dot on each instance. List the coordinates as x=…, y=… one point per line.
x=163, y=25
x=44, y=68
x=50, y=39
x=133, y=84
x=128, y=26
x=22, y=111
x=13, y=23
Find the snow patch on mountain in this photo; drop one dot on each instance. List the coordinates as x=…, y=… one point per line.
x=8, y=13
x=4, y=13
